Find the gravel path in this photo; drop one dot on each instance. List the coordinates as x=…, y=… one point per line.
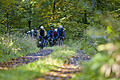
x=65, y=72
x=79, y=58
x=25, y=59
x=69, y=68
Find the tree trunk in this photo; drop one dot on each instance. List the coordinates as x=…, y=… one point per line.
x=54, y=10
x=29, y=24
x=7, y=23
x=93, y=7
x=85, y=17
x=30, y=13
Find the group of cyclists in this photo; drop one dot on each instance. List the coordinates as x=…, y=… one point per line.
x=53, y=37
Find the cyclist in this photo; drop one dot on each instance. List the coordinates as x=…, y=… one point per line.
x=50, y=36
x=61, y=33
x=32, y=33
x=27, y=34
x=42, y=34
x=36, y=33
x=55, y=34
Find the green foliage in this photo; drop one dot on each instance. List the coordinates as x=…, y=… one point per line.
x=102, y=65
x=39, y=68
x=12, y=46
x=86, y=44
x=68, y=13
x=92, y=25
x=64, y=52
x=91, y=70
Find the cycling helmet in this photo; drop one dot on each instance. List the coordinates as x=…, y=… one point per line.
x=56, y=30
x=32, y=30
x=51, y=28
x=28, y=32
x=41, y=27
x=60, y=26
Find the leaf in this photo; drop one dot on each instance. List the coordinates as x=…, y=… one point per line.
x=115, y=68
x=109, y=29
x=101, y=47
x=108, y=72
x=103, y=68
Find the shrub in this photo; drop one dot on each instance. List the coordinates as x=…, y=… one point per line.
x=12, y=46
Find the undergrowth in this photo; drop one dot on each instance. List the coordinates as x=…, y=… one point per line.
x=13, y=46
x=40, y=67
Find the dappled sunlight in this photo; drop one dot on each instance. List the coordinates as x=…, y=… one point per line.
x=110, y=47
x=13, y=46
x=67, y=53
x=59, y=39
x=52, y=61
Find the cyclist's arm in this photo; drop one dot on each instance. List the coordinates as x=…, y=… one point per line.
x=58, y=32
x=48, y=34
x=45, y=32
x=63, y=33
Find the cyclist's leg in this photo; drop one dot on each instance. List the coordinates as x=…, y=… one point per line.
x=42, y=45
x=62, y=41
x=49, y=41
x=59, y=41
x=54, y=41
x=45, y=41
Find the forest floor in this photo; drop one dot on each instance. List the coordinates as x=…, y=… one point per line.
x=68, y=70
x=57, y=63
x=25, y=59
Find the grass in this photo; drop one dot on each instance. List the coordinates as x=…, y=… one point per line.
x=7, y=57
x=13, y=47
x=40, y=67
x=43, y=65
x=86, y=45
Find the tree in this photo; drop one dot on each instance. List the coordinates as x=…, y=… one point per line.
x=6, y=8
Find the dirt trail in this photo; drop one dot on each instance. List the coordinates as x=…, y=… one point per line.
x=64, y=72
x=25, y=59
x=69, y=68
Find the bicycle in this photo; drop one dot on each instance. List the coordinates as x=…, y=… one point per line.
x=51, y=42
x=55, y=41
x=41, y=42
x=46, y=43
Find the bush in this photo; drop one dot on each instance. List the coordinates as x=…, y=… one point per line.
x=105, y=65
x=12, y=46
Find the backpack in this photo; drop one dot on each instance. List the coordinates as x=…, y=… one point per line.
x=42, y=32
x=55, y=34
x=60, y=32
